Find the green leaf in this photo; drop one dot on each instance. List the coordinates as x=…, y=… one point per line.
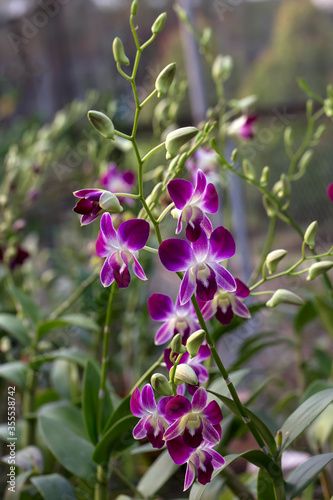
x=325, y=311
x=65, y=378
x=265, y=486
x=117, y=438
x=236, y=378
x=69, y=319
x=314, y=387
x=198, y=489
x=16, y=372
x=157, y=475
x=305, y=473
x=14, y=327
x=305, y=315
x=67, y=414
x=20, y=481
x=91, y=384
x=308, y=90
x=305, y=414
x=69, y=354
x=262, y=428
x=29, y=306
x=123, y=410
x=53, y=487
x=72, y=451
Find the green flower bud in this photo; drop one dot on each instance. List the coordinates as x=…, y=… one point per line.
x=282, y=187
x=288, y=139
x=185, y=374
x=222, y=68
x=273, y=259
x=309, y=108
x=282, y=296
x=310, y=234
x=248, y=169
x=319, y=132
x=206, y=37
x=177, y=138
x=176, y=344
x=265, y=175
x=108, y=201
x=161, y=384
x=194, y=342
x=233, y=156
x=101, y=123
x=134, y=7
x=119, y=53
x=270, y=206
x=165, y=79
x=305, y=160
x=181, y=13
x=159, y=23
x=319, y=268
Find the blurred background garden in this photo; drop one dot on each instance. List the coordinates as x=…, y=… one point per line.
x=56, y=63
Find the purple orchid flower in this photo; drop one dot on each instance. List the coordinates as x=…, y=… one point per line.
x=120, y=248
x=196, y=421
x=225, y=304
x=192, y=203
x=94, y=202
x=177, y=318
x=330, y=191
x=203, y=272
x=118, y=181
x=202, y=461
x=152, y=422
x=243, y=126
x=206, y=160
x=195, y=363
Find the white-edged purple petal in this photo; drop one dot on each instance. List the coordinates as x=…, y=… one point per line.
x=207, y=225
x=176, y=428
x=86, y=219
x=179, y=224
x=108, y=230
x=209, y=433
x=154, y=434
x=208, y=310
x=178, y=451
x=161, y=407
x=177, y=407
x=107, y=273
x=204, y=353
x=120, y=270
x=213, y=413
x=224, y=279
x=201, y=184
x=160, y=306
x=164, y=333
x=133, y=234
x=187, y=287
x=206, y=284
x=137, y=269
x=139, y=431
x=222, y=244
x=189, y=476
x=205, y=470
x=180, y=192
x=148, y=399
x=175, y=254
x=240, y=309
x=90, y=194
x=103, y=248
x=136, y=404
x=193, y=439
x=201, y=372
x=201, y=247
x=199, y=399
x=210, y=201
x=217, y=461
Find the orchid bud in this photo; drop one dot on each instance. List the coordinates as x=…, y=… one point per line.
x=319, y=132
x=319, y=268
x=279, y=439
x=194, y=342
x=101, y=123
x=108, y=201
x=177, y=138
x=288, y=136
x=273, y=259
x=248, y=169
x=305, y=160
x=309, y=108
x=165, y=79
x=282, y=187
x=185, y=374
x=181, y=13
x=206, y=37
x=161, y=384
x=176, y=344
x=270, y=206
x=310, y=234
x=134, y=7
x=159, y=23
x=265, y=175
x=119, y=53
x=222, y=68
x=234, y=155
x=282, y=296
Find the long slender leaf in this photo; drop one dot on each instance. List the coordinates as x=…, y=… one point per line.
x=54, y=487
x=305, y=473
x=157, y=475
x=29, y=306
x=14, y=327
x=15, y=371
x=265, y=486
x=117, y=438
x=69, y=354
x=67, y=320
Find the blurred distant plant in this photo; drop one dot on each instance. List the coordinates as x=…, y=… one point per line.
x=77, y=421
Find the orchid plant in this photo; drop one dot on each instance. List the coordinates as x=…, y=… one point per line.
x=186, y=405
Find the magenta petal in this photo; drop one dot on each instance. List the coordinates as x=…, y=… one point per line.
x=330, y=192
x=193, y=441
x=148, y=399
x=138, y=271
x=205, y=472
x=135, y=403
x=84, y=207
x=86, y=219
x=102, y=247
x=224, y=317
x=210, y=202
x=207, y=288
x=175, y=255
x=189, y=476
x=240, y=309
x=200, y=184
x=90, y=194
x=222, y=244
x=154, y=435
x=139, y=431
x=174, y=429
x=242, y=290
x=177, y=407
x=208, y=310
x=107, y=273
x=178, y=451
x=107, y=229
x=133, y=234
x=223, y=278
x=209, y=433
x=120, y=271
x=213, y=413
x=164, y=333
x=160, y=306
x=201, y=247
x=217, y=461
x=206, y=225
x=187, y=287
x=161, y=406
x=180, y=192
x=201, y=373
x=199, y=400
